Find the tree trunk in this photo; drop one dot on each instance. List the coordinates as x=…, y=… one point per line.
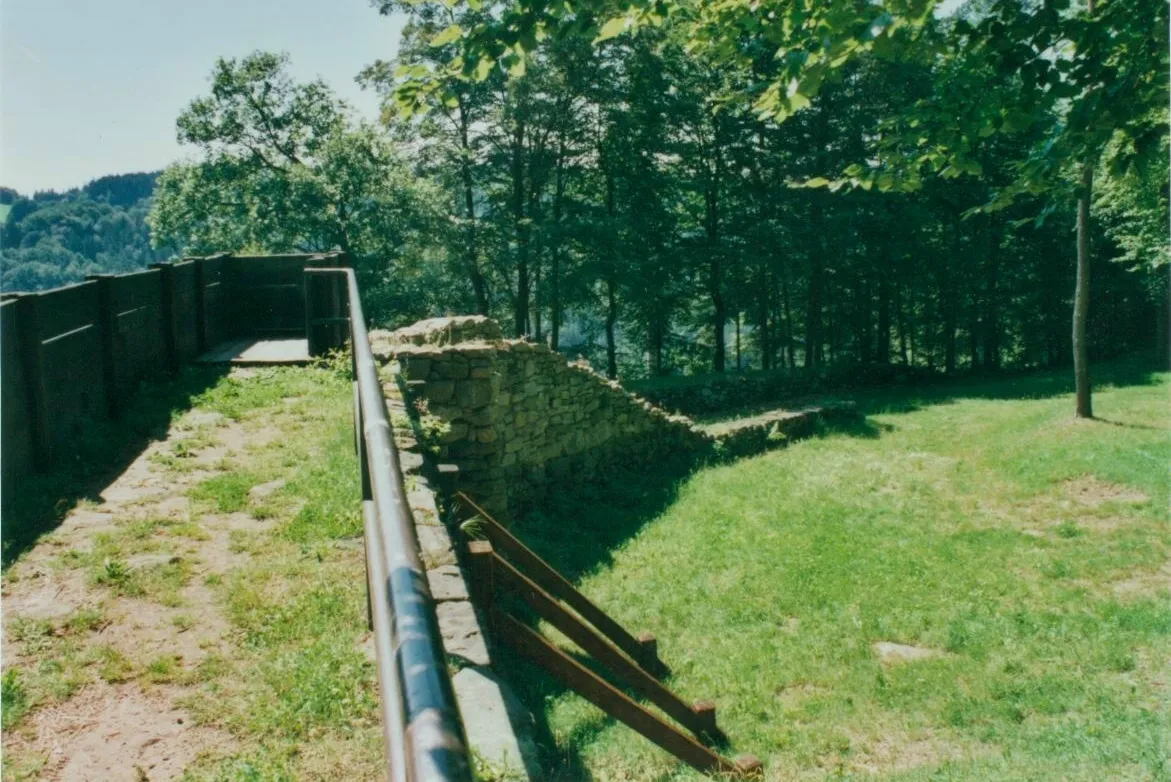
x=786, y=306
x=991, y=298
x=611, y=319
x=1081, y=297
x=715, y=270
x=763, y=293
x=471, y=251
x=522, y=231
x=883, y=339
x=738, y=364
x=555, y=258
x=949, y=303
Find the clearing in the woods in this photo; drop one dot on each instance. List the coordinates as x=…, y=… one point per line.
x=970, y=584
x=966, y=584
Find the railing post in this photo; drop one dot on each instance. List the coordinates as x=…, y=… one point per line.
x=30, y=351
x=167, y=314
x=108, y=326
x=480, y=572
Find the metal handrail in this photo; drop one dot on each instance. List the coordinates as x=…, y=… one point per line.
x=424, y=734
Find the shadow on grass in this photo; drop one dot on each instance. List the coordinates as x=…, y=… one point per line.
x=577, y=530
x=99, y=456
x=1137, y=369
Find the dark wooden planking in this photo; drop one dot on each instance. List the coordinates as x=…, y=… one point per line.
x=139, y=337
x=16, y=456
x=700, y=721
x=643, y=650
x=270, y=291
x=218, y=318
x=74, y=392
x=67, y=309
x=184, y=306
x=614, y=702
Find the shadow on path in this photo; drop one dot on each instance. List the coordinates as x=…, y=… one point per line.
x=102, y=453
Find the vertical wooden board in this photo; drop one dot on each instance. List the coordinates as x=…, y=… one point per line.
x=218, y=323
x=271, y=293
x=186, y=338
x=75, y=393
x=66, y=309
x=139, y=340
x=16, y=455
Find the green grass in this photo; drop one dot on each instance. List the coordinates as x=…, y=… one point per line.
x=1027, y=549
x=294, y=689
x=289, y=681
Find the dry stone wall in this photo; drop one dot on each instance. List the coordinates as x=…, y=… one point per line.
x=517, y=418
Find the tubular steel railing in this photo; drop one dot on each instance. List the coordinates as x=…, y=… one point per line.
x=424, y=734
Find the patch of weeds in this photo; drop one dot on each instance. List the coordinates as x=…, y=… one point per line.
x=182, y=621
x=260, y=767
x=189, y=530
x=167, y=461
x=487, y=771
x=28, y=630
x=211, y=667
x=84, y=620
x=227, y=493
x=1058, y=569
x=162, y=583
x=1068, y=529
x=262, y=512
x=242, y=541
x=13, y=699
x=164, y=668
x=113, y=667
x=60, y=676
x=20, y=766
x=115, y=574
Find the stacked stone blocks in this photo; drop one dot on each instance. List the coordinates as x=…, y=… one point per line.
x=517, y=418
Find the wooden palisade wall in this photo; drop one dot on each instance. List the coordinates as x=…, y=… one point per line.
x=74, y=355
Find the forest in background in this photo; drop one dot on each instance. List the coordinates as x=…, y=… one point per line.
x=52, y=239
x=619, y=192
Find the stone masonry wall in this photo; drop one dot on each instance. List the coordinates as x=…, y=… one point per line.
x=517, y=418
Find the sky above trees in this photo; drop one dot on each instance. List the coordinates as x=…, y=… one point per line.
x=94, y=88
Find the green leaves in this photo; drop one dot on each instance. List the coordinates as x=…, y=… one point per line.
x=612, y=29
x=449, y=35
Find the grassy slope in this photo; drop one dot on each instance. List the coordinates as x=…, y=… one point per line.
x=965, y=525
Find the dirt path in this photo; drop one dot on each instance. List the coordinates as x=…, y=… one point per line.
x=110, y=619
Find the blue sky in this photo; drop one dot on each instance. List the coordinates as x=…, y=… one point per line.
x=91, y=87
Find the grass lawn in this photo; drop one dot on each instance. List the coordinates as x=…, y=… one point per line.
x=1023, y=554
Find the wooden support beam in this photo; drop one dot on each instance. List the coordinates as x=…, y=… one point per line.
x=645, y=654
x=700, y=721
x=616, y=704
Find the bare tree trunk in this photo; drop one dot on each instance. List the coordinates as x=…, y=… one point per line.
x=555, y=258
x=1081, y=297
x=611, y=319
x=471, y=251
x=737, y=340
x=522, y=231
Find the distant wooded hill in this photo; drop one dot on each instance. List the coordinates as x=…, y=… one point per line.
x=53, y=239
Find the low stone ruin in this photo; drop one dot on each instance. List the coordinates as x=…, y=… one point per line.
x=516, y=417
